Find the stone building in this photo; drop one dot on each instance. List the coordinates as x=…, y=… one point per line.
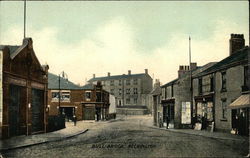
x=70, y=93
x=95, y=103
x=176, y=97
x=131, y=91
x=23, y=91
x=215, y=89
x=155, y=97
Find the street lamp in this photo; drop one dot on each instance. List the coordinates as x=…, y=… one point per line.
x=64, y=76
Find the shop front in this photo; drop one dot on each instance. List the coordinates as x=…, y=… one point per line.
x=240, y=115
x=204, y=111
x=168, y=113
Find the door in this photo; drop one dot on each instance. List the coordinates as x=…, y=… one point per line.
x=89, y=113
x=37, y=110
x=155, y=109
x=14, y=110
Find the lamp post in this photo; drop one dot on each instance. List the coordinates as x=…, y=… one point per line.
x=64, y=76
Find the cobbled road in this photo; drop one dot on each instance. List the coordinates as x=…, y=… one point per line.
x=132, y=137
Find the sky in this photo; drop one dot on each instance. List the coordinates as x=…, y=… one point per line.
x=84, y=38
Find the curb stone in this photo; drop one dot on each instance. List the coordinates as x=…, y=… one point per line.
x=43, y=142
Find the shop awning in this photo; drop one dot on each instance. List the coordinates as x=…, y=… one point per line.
x=242, y=102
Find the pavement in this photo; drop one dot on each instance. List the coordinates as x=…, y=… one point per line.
x=83, y=126
x=30, y=140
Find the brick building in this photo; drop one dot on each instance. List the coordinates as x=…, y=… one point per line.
x=222, y=91
x=131, y=91
x=70, y=94
x=95, y=103
x=23, y=91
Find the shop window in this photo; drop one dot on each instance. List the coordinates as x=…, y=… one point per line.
x=224, y=82
x=224, y=109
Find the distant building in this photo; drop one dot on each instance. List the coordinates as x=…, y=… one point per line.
x=130, y=90
x=23, y=91
x=222, y=92
x=155, y=97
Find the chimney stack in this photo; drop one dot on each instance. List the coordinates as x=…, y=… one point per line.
x=183, y=69
x=129, y=72
x=193, y=66
x=93, y=75
x=236, y=42
x=108, y=74
x=146, y=71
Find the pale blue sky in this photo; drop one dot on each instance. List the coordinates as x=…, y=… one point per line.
x=149, y=29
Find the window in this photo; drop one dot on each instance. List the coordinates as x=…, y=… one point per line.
x=135, y=81
x=172, y=90
x=127, y=82
x=224, y=109
x=224, y=81
x=112, y=91
x=200, y=86
x=135, y=100
x=120, y=82
x=128, y=101
x=55, y=96
x=120, y=91
x=211, y=84
x=128, y=91
x=98, y=96
x=65, y=96
x=112, y=82
x=245, y=87
x=135, y=90
x=88, y=95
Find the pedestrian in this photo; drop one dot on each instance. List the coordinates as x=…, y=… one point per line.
x=74, y=119
x=167, y=121
x=236, y=124
x=160, y=122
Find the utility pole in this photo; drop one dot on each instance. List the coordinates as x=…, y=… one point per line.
x=191, y=84
x=24, y=20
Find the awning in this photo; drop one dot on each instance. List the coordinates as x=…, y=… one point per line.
x=242, y=102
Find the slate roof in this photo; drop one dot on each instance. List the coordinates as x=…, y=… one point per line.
x=156, y=91
x=232, y=60
x=88, y=86
x=11, y=48
x=53, y=83
x=169, y=83
x=117, y=77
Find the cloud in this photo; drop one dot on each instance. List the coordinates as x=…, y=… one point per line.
x=112, y=48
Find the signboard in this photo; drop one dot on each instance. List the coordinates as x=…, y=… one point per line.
x=186, y=113
x=1, y=87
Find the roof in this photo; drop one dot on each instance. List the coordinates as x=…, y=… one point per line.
x=118, y=77
x=232, y=60
x=156, y=91
x=194, y=73
x=242, y=102
x=53, y=83
x=88, y=86
x=170, y=83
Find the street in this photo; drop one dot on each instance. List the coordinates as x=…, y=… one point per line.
x=132, y=136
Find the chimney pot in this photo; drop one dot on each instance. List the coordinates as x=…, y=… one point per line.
x=146, y=71
x=108, y=74
x=236, y=43
x=129, y=72
x=93, y=75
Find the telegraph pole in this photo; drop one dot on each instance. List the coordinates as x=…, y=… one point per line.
x=24, y=20
x=191, y=84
